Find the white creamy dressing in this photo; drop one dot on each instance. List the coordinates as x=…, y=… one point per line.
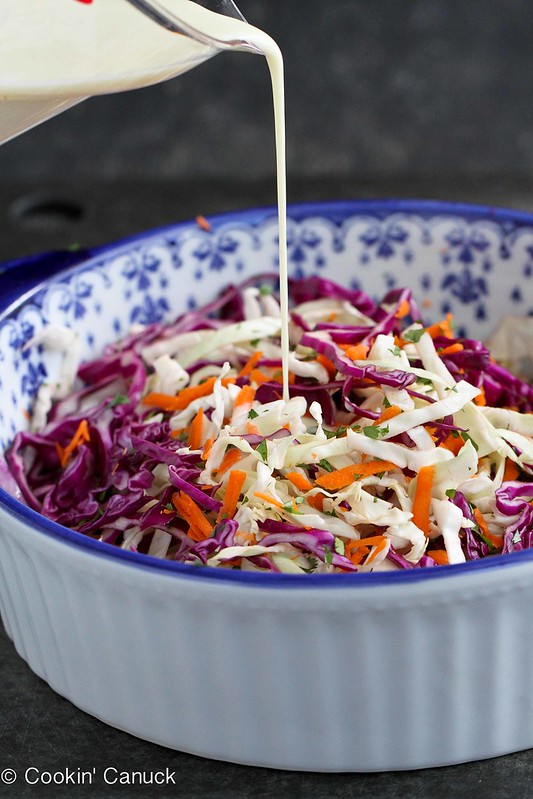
x=229, y=29
x=55, y=53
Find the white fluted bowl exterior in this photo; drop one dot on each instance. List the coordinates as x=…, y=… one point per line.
x=320, y=673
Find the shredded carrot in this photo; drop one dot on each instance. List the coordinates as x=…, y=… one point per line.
x=299, y=481
x=440, y=556
x=316, y=501
x=231, y=497
x=267, y=498
x=443, y=328
x=453, y=443
x=343, y=477
x=372, y=540
x=495, y=540
x=422, y=498
x=184, y=398
x=168, y=403
x=388, y=413
x=229, y=460
x=451, y=349
x=432, y=431
x=195, y=430
x=200, y=528
x=278, y=377
x=251, y=363
x=511, y=470
x=259, y=377
x=400, y=342
x=481, y=399
x=355, y=553
x=232, y=562
x=202, y=223
x=207, y=447
x=80, y=437
x=324, y=361
x=403, y=309
x=245, y=396
x=356, y=352
x=480, y=519
x=379, y=548
x=251, y=428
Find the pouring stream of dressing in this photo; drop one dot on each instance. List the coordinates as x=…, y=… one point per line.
x=228, y=30
x=82, y=50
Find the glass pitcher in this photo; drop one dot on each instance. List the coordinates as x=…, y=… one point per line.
x=55, y=54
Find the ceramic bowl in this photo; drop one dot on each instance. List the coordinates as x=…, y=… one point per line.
x=350, y=672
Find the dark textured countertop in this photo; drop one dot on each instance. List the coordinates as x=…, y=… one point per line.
x=39, y=729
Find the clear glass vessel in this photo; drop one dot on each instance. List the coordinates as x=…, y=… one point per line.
x=54, y=55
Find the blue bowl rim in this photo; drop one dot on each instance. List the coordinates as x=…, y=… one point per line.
x=376, y=207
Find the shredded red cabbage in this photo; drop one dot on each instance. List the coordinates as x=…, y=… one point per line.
x=203, y=480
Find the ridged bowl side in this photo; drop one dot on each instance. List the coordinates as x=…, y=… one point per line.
x=366, y=676
x=384, y=677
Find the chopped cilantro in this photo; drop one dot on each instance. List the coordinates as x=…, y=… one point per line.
x=254, y=342
x=484, y=539
x=265, y=290
x=326, y=465
x=313, y=565
x=370, y=431
x=340, y=431
x=425, y=381
x=262, y=450
x=339, y=546
x=252, y=414
x=120, y=399
x=466, y=438
x=328, y=556
x=414, y=336
x=451, y=492
x=169, y=506
x=395, y=350
x=291, y=509
x=386, y=403
x=289, y=506
x=330, y=433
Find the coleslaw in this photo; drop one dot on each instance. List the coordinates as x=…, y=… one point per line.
x=402, y=445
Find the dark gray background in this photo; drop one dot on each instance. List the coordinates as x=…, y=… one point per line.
x=420, y=98
x=375, y=89
x=427, y=98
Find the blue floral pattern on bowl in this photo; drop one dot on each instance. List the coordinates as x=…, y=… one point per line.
x=475, y=263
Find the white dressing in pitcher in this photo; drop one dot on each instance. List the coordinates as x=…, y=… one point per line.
x=56, y=54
